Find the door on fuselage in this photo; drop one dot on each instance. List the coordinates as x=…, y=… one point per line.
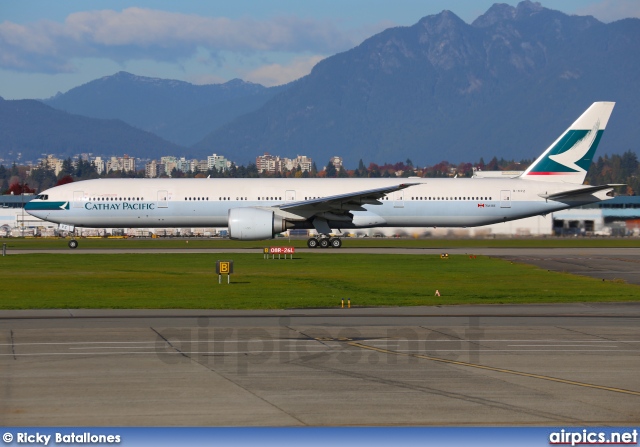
x=398, y=199
x=163, y=199
x=505, y=199
x=78, y=199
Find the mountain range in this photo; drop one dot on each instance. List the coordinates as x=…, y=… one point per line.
x=29, y=130
x=174, y=110
x=505, y=85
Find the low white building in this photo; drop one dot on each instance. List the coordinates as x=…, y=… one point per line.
x=15, y=221
x=617, y=217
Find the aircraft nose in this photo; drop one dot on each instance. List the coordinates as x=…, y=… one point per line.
x=32, y=208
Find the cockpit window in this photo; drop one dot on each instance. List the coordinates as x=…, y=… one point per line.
x=43, y=197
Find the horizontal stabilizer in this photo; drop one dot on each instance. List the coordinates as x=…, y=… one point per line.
x=579, y=192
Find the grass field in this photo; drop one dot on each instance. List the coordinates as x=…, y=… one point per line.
x=102, y=243
x=189, y=281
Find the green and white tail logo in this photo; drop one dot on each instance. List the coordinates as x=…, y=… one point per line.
x=568, y=159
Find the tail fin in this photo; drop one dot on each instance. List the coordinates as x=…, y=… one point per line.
x=568, y=159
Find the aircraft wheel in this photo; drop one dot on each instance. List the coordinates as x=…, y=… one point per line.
x=335, y=242
x=312, y=243
x=73, y=244
x=324, y=243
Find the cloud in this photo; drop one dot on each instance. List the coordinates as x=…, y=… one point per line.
x=277, y=74
x=612, y=10
x=137, y=33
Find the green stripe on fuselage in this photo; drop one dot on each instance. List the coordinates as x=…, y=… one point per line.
x=44, y=206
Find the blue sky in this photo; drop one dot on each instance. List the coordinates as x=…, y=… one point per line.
x=50, y=46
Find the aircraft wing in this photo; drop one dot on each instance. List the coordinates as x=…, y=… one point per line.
x=352, y=201
x=579, y=191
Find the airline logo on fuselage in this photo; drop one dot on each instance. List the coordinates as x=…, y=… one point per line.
x=124, y=206
x=36, y=205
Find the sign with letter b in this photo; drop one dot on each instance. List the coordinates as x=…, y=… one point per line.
x=224, y=267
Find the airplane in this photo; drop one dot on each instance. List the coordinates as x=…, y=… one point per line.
x=259, y=209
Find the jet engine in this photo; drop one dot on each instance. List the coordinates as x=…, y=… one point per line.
x=255, y=224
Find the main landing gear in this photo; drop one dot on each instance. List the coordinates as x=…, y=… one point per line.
x=324, y=241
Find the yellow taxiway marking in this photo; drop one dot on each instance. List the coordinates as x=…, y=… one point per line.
x=501, y=370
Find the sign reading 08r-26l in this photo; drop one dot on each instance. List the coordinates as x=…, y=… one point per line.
x=279, y=250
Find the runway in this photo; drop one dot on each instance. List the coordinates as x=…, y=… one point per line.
x=568, y=364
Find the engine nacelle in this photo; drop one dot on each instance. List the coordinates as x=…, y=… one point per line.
x=255, y=224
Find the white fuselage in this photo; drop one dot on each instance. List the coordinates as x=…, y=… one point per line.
x=459, y=202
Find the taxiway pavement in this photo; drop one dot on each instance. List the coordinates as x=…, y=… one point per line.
x=569, y=364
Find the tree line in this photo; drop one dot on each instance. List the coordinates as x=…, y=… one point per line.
x=17, y=179
x=617, y=169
